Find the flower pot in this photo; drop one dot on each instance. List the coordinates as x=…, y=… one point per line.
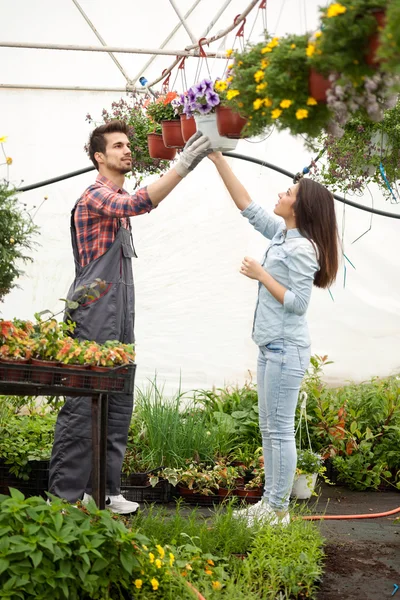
x=172, y=134
x=15, y=370
x=373, y=44
x=157, y=148
x=318, y=85
x=188, y=127
x=304, y=485
x=224, y=492
x=207, y=124
x=104, y=383
x=44, y=377
x=229, y=123
x=77, y=380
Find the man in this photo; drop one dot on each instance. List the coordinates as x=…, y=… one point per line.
x=101, y=242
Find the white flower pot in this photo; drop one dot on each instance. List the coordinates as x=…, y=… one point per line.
x=207, y=124
x=304, y=485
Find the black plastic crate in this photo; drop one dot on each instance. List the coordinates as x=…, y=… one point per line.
x=36, y=485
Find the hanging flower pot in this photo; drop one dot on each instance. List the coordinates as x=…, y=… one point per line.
x=188, y=127
x=229, y=123
x=304, y=485
x=207, y=124
x=371, y=58
x=172, y=134
x=157, y=148
x=318, y=85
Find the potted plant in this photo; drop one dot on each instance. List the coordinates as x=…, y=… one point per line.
x=196, y=480
x=15, y=349
x=309, y=466
x=133, y=112
x=270, y=85
x=200, y=102
x=361, y=153
x=226, y=477
x=188, y=124
x=162, y=112
x=230, y=122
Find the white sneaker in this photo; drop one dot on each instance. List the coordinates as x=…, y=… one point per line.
x=267, y=515
x=251, y=509
x=117, y=504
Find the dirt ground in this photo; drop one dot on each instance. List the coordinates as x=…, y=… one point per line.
x=362, y=555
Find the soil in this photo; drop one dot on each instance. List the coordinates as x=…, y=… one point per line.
x=362, y=555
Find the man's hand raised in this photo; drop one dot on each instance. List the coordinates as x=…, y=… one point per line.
x=197, y=147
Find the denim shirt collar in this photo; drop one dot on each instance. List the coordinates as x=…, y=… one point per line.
x=292, y=233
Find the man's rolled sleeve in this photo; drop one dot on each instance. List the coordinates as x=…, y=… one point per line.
x=302, y=265
x=106, y=202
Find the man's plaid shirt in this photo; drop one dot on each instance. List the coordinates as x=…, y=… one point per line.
x=101, y=210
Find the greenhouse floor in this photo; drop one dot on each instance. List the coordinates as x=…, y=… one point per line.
x=362, y=555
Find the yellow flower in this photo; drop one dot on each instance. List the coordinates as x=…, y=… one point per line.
x=335, y=9
x=311, y=101
x=276, y=113
x=208, y=571
x=171, y=559
x=258, y=75
x=158, y=563
x=231, y=66
x=216, y=585
x=160, y=550
x=261, y=86
x=144, y=547
x=266, y=49
x=3, y=139
x=9, y=160
x=232, y=93
x=229, y=52
x=269, y=47
x=189, y=567
x=310, y=49
x=240, y=63
x=210, y=562
x=229, y=79
x=267, y=102
x=293, y=46
x=138, y=583
x=240, y=104
x=286, y=103
x=220, y=85
x=151, y=557
x=317, y=34
x=258, y=103
x=264, y=63
x=155, y=584
x=301, y=113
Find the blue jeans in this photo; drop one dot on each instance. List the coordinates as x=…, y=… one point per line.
x=280, y=369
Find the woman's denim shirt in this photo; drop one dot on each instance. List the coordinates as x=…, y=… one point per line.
x=290, y=259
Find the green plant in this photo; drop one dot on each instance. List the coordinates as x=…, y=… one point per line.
x=133, y=112
x=17, y=232
x=309, y=462
x=15, y=340
x=389, y=46
x=161, y=109
x=198, y=477
x=226, y=475
x=270, y=85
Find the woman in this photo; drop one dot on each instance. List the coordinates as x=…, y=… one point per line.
x=303, y=251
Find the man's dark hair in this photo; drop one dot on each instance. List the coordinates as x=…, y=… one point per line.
x=97, y=140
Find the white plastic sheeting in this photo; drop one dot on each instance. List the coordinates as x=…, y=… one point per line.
x=194, y=310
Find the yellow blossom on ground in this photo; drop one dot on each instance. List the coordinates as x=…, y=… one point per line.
x=184, y=573
x=216, y=585
x=154, y=584
x=160, y=550
x=158, y=563
x=310, y=49
x=276, y=113
x=3, y=139
x=9, y=160
x=335, y=9
x=171, y=559
x=189, y=567
x=151, y=557
x=220, y=85
x=229, y=52
x=286, y=103
x=267, y=102
x=144, y=547
x=258, y=75
x=293, y=46
x=260, y=87
x=311, y=101
x=258, y=103
x=208, y=571
x=210, y=562
x=138, y=583
x=231, y=94
x=301, y=113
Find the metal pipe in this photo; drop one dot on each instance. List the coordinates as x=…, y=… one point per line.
x=71, y=88
x=216, y=18
x=163, y=52
x=183, y=21
x=101, y=40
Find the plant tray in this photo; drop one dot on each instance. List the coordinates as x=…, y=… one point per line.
x=161, y=493
x=28, y=379
x=36, y=485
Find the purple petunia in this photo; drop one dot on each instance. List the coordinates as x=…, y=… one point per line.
x=212, y=98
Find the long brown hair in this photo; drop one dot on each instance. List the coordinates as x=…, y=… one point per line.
x=97, y=140
x=314, y=209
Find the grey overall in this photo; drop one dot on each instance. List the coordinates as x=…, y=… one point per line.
x=109, y=317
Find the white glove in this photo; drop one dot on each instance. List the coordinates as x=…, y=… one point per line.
x=197, y=147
